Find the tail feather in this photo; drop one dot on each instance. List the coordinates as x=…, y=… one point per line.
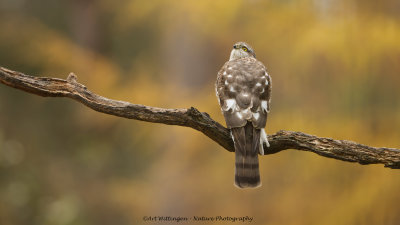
x=247, y=141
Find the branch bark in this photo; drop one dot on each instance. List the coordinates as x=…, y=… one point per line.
x=201, y=121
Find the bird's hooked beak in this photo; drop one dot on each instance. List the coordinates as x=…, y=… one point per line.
x=237, y=52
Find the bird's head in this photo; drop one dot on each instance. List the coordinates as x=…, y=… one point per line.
x=241, y=50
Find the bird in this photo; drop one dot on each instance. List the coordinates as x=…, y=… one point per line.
x=243, y=89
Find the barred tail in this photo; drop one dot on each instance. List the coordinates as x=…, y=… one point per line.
x=247, y=141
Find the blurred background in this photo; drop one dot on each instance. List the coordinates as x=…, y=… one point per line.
x=335, y=67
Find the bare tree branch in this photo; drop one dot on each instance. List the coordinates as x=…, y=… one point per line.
x=201, y=121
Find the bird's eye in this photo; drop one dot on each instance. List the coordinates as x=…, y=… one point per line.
x=245, y=49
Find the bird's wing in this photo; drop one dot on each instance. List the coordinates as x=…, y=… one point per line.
x=243, y=89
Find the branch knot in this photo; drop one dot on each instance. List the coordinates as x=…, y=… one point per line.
x=72, y=78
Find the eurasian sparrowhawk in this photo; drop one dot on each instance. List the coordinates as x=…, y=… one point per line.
x=244, y=89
